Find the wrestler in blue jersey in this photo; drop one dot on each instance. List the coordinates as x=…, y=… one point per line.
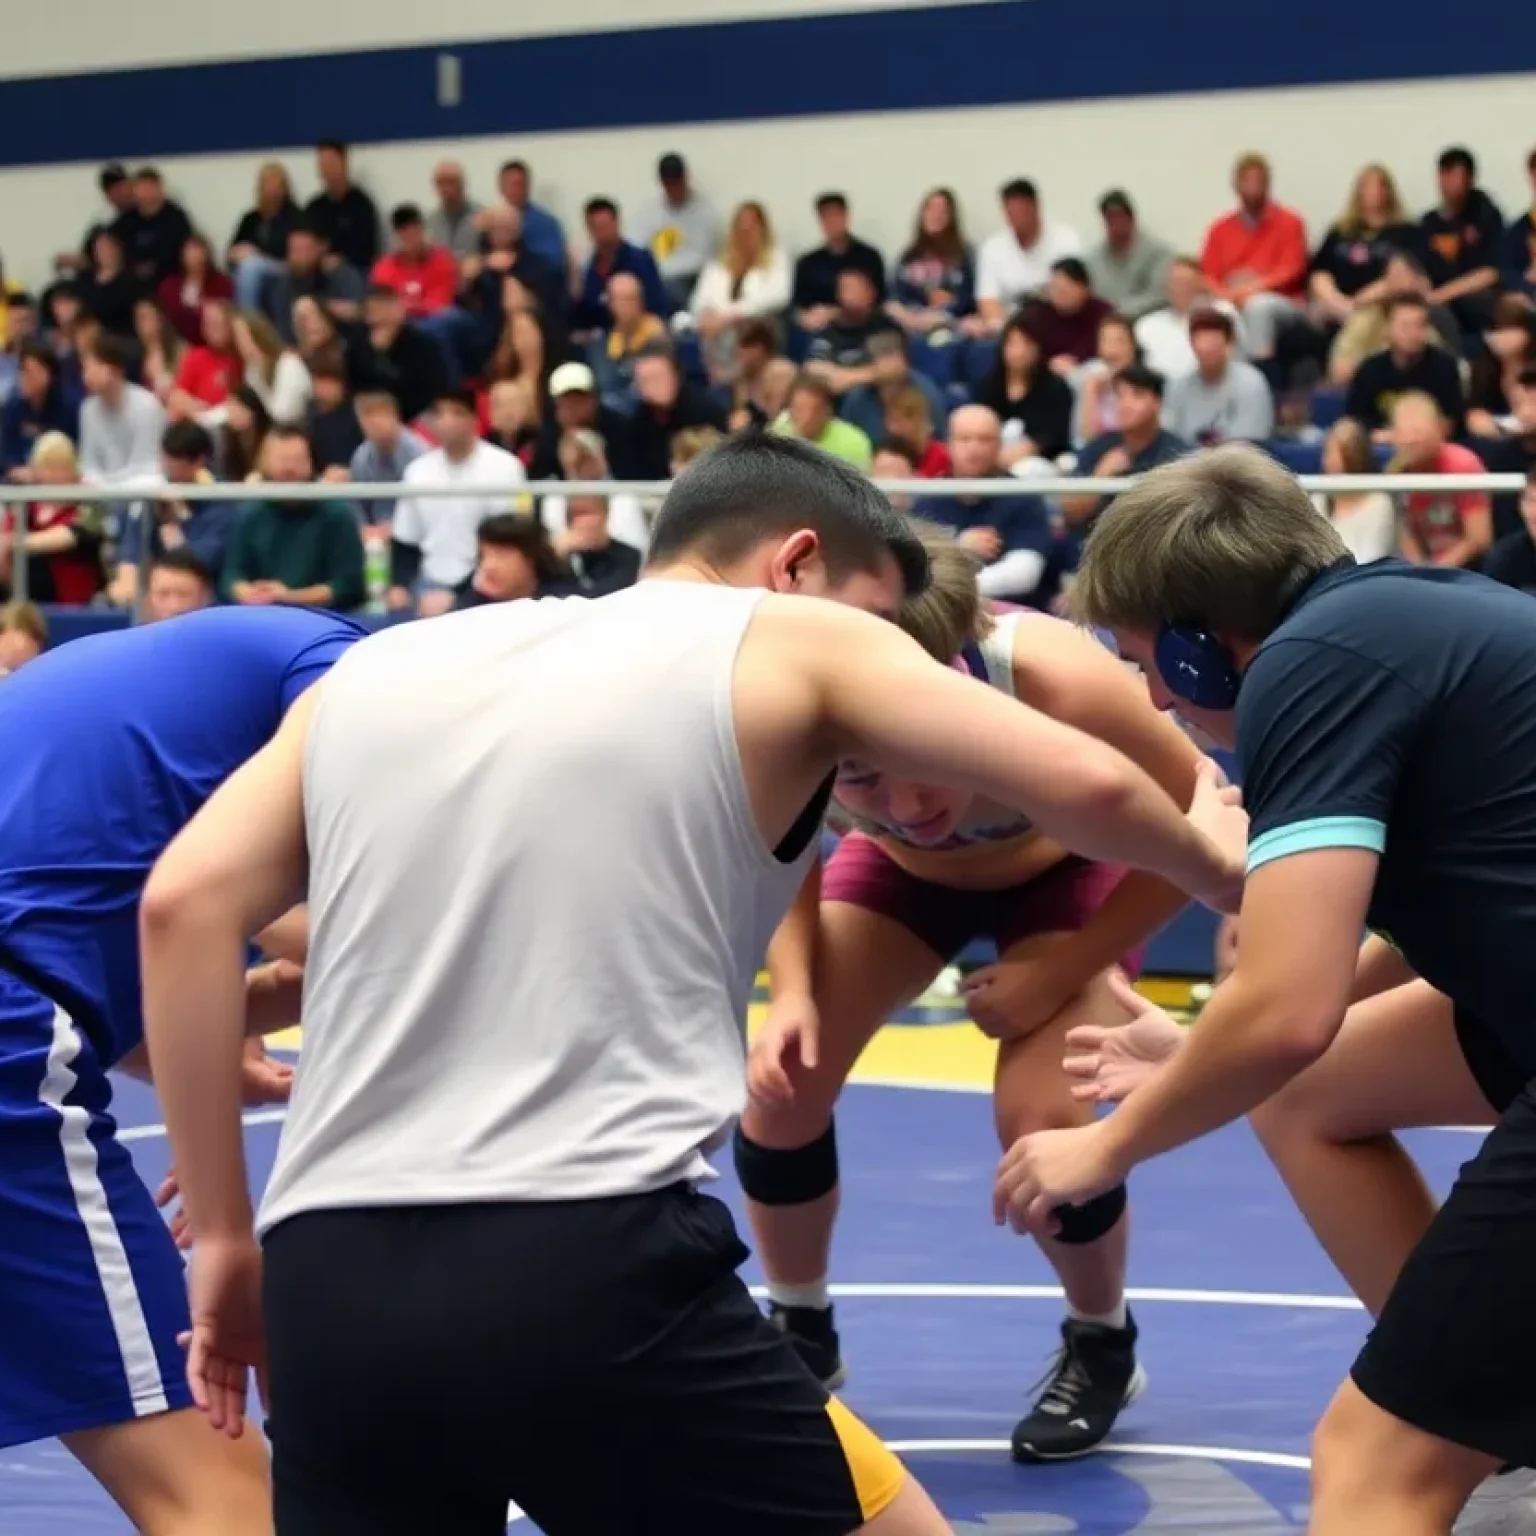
x=111, y=744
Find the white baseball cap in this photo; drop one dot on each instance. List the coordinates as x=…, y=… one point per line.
x=572, y=379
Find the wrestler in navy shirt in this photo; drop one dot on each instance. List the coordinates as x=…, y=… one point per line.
x=112, y=743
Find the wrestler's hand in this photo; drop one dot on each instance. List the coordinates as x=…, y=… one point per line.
x=1216, y=812
x=264, y=1079
x=1051, y=1168
x=1107, y=1065
x=1014, y=998
x=227, y=1342
x=168, y=1193
x=786, y=1044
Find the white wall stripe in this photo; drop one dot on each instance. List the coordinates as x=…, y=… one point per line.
x=141, y=1366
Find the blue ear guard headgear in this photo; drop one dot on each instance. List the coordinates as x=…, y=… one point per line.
x=1196, y=667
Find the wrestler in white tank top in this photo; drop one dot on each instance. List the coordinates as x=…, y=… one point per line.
x=538, y=900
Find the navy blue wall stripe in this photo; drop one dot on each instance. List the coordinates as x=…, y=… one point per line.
x=1019, y=51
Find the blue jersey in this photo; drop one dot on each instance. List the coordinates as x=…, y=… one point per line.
x=112, y=743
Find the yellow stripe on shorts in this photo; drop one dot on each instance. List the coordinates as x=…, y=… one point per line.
x=877, y=1474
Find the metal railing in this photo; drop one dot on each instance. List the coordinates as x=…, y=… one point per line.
x=132, y=493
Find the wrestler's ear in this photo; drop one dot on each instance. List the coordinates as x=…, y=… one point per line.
x=796, y=565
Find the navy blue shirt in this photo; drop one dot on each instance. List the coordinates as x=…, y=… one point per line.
x=1394, y=710
x=113, y=743
x=1021, y=522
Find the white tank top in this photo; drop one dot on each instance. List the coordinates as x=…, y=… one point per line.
x=538, y=900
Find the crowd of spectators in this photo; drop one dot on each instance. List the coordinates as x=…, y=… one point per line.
x=465, y=346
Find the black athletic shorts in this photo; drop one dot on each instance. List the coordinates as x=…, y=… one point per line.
x=1454, y=1351
x=598, y=1363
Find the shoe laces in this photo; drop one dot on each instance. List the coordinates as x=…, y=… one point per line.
x=1065, y=1380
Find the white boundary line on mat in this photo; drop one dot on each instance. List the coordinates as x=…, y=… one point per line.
x=1291, y=1301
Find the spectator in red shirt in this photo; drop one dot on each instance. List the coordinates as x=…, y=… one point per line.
x=1452, y=528
x=210, y=372
x=1256, y=258
x=424, y=275
x=909, y=419
x=183, y=294
x=63, y=539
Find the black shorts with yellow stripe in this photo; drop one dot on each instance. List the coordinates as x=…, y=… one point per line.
x=597, y=1363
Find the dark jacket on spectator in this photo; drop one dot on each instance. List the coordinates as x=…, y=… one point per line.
x=1044, y=410
x=591, y=310
x=919, y=276
x=301, y=544
x=816, y=273
x=413, y=369
x=610, y=426
x=1506, y=456
x=152, y=245
x=1513, y=561
x=644, y=451
x=348, y=224
x=608, y=569
x=268, y=235
x=188, y=318
x=284, y=286
x=111, y=302
x=21, y=426
x=543, y=281
x=205, y=531
x=334, y=435
x=1380, y=380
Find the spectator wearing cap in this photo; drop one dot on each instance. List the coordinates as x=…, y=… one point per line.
x=304, y=554
x=259, y=245
x=432, y=540
x=666, y=403
x=584, y=457
x=1011, y=534
x=680, y=228
x=613, y=355
x=1066, y=318
x=388, y=448
x=425, y=275
x=1464, y=243
x=38, y=405
x=178, y=583
x=305, y=274
x=453, y=224
x=171, y=524
x=842, y=351
x=117, y=191
x=1014, y=265
x=1256, y=258
x=1225, y=398
x=153, y=231
x=612, y=253
x=392, y=354
x=342, y=214
x=542, y=232
x=811, y=415
x=1141, y=442
x=935, y=279
x=574, y=404
x=1129, y=267
x=814, y=295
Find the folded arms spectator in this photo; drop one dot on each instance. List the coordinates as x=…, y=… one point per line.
x=1464, y=243
x=841, y=352
x=342, y=214
x=814, y=296
x=1349, y=267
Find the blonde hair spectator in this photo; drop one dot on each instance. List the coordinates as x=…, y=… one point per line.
x=692, y=443
x=749, y=280
x=23, y=636
x=274, y=372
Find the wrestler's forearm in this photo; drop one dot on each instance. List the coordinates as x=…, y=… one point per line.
x=791, y=962
x=1136, y=909
x=194, y=1025
x=274, y=995
x=288, y=937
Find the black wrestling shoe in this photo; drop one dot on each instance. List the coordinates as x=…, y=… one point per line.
x=1093, y=1376
x=810, y=1330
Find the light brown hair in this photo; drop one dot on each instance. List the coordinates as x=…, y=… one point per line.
x=28, y=619
x=950, y=613
x=1222, y=540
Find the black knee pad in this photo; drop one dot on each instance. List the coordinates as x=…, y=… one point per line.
x=796, y=1176
x=1088, y=1223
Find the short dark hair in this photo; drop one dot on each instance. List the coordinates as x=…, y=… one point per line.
x=146, y=173
x=302, y=226
x=112, y=175
x=114, y=351
x=459, y=396
x=1020, y=186
x=329, y=362
x=512, y=165
x=661, y=349
x=600, y=205
x=1407, y=301
x=41, y=353
x=1139, y=376
x=187, y=441
x=1209, y=318
x=336, y=146
x=1527, y=379
x=831, y=200
x=757, y=333
x=1457, y=158
x=901, y=448
x=380, y=291
x=516, y=530
x=289, y=432
x=181, y=558
x=405, y=215
x=759, y=485
x=1074, y=268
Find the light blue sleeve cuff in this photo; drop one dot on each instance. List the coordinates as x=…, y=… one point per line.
x=1318, y=833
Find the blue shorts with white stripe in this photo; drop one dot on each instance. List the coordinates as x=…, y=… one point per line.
x=92, y=1289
